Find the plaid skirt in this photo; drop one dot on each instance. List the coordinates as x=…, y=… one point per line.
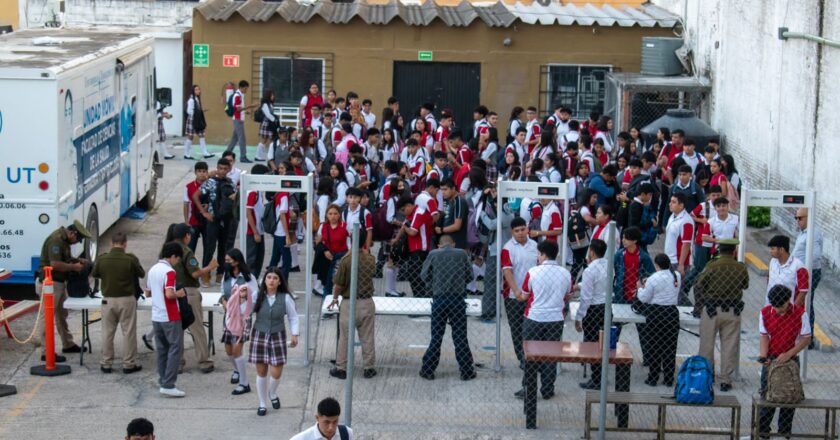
x=229, y=338
x=189, y=130
x=265, y=129
x=267, y=348
x=161, y=131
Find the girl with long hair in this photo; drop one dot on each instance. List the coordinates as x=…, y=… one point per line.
x=272, y=304
x=514, y=123
x=605, y=126
x=238, y=284
x=340, y=180
x=268, y=126
x=195, y=124
x=333, y=235
x=390, y=146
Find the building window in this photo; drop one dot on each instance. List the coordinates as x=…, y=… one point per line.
x=290, y=78
x=581, y=88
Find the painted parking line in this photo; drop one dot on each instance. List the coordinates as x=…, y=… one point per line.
x=22, y=405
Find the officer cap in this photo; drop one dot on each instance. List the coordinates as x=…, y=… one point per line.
x=81, y=229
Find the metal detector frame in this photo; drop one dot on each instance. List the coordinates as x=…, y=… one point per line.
x=290, y=184
x=781, y=199
x=532, y=190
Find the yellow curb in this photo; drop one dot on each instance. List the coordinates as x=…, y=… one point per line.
x=822, y=338
x=756, y=263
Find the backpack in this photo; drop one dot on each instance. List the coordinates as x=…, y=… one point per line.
x=229, y=109
x=622, y=215
x=485, y=235
x=362, y=230
x=224, y=207
x=259, y=116
x=382, y=230
x=783, y=383
x=343, y=434
x=582, y=192
x=500, y=158
x=269, y=218
x=578, y=231
x=649, y=234
x=472, y=224
x=535, y=223
x=695, y=382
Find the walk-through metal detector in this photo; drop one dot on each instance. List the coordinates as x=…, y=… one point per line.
x=534, y=191
x=291, y=184
x=781, y=199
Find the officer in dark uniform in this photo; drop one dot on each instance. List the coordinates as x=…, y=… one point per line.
x=187, y=274
x=119, y=272
x=56, y=253
x=723, y=282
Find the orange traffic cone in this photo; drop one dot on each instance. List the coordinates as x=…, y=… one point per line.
x=50, y=368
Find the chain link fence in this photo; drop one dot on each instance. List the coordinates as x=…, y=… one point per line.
x=428, y=345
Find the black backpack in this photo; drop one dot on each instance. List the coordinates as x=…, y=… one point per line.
x=622, y=214
x=259, y=116
x=578, y=231
x=269, y=218
x=362, y=228
x=224, y=206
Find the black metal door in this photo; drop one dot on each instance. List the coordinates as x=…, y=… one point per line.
x=447, y=85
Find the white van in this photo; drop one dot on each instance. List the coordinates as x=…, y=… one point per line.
x=77, y=134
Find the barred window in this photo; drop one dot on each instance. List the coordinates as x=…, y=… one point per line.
x=290, y=78
x=579, y=87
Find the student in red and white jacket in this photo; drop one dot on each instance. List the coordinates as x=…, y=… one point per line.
x=679, y=234
x=547, y=289
x=532, y=138
x=442, y=133
x=560, y=121
x=787, y=270
x=518, y=144
x=166, y=318
x=480, y=124
x=551, y=222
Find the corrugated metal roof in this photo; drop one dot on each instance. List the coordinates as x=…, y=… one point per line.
x=421, y=13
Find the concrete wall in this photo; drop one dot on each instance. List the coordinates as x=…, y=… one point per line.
x=774, y=101
x=169, y=66
x=363, y=56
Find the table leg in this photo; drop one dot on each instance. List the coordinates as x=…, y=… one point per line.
x=85, y=337
x=661, y=423
x=211, y=342
x=531, y=394
x=587, y=430
x=622, y=384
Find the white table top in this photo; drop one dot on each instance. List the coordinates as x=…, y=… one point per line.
x=405, y=306
x=623, y=313
x=209, y=301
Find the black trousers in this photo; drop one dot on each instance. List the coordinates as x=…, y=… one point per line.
x=412, y=266
x=592, y=323
x=449, y=309
x=578, y=261
x=516, y=314
x=198, y=231
x=542, y=331
x=256, y=255
x=661, y=333
x=216, y=240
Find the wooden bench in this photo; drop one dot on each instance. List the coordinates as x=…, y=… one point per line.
x=15, y=311
x=663, y=402
x=829, y=406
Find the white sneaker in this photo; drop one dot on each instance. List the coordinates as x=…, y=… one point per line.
x=172, y=392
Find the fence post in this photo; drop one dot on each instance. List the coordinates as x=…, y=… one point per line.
x=605, y=353
x=497, y=363
x=809, y=264
x=307, y=294
x=351, y=325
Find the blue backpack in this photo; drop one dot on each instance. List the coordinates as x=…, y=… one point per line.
x=695, y=382
x=229, y=110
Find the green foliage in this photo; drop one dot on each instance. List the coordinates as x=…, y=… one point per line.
x=758, y=216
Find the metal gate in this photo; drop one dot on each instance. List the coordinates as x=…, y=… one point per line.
x=453, y=85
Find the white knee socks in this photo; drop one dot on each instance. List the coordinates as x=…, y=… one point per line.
x=260, y=151
x=241, y=368
x=203, y=146
x=262, y=389
x=273, y=384
x=390, y=274
x=187, y=147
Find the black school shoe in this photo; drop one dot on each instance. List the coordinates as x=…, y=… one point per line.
x=369, y=373
x=275, y=403
x=468, y=376
x=241, y=389
x=73, y=349
x=261, y=411
x=133, y=369
x=338, y=374
x=58, y=358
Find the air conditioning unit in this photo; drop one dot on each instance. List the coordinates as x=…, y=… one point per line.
x=659, y=56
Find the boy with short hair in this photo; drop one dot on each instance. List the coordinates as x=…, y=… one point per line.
x=192, y=215
x=166, y=317
x=785, y=331
x=326, y=423
x=356, y=213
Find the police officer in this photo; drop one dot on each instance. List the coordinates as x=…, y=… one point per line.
x=56, y=253
x=187, y=274
x=723, y=282
x=119, y=272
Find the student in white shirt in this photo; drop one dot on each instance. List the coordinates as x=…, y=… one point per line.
x=659, y=293
x=369, y=116
x=166, y=317
x=518, y=255
x=267, y=124
x=326, y=424
x=724, y=224
x=589, y=318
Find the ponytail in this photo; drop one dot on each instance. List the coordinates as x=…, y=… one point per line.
x=664, y=262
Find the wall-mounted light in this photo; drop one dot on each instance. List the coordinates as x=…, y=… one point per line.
x=507, y=42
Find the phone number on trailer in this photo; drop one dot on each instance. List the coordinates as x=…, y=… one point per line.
x=12, y=205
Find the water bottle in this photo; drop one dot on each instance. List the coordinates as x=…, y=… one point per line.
x=613, y=337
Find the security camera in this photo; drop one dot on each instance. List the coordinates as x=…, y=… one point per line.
x=506, y=42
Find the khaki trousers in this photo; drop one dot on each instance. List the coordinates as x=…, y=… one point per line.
x=123, y=311
x=59, y=296
x=199, y=335
x=365, y=315
x=728, y=326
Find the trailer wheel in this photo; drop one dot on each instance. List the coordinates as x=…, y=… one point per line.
x=148, y=202
x=92, y=225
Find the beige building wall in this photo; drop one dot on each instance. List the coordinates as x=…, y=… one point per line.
x=9, y=13
x=363, y=56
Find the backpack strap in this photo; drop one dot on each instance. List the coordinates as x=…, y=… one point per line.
x=343, y=434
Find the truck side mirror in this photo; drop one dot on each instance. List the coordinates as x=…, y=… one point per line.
x=164, y=96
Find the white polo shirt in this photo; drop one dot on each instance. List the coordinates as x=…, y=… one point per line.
x=679, y=233
x=518, y=258
x=551, y=220
x=314, y=433
x=593, y=287
x=548, y=286
x=724, y=229
x=792, y=275
x=161, y=277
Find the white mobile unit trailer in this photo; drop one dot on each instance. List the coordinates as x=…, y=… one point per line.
x=77, y=129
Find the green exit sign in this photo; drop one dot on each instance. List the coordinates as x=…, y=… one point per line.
x=424, y=55
x=201, y=55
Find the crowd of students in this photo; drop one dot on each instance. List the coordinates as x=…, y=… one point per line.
x=409, y=179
